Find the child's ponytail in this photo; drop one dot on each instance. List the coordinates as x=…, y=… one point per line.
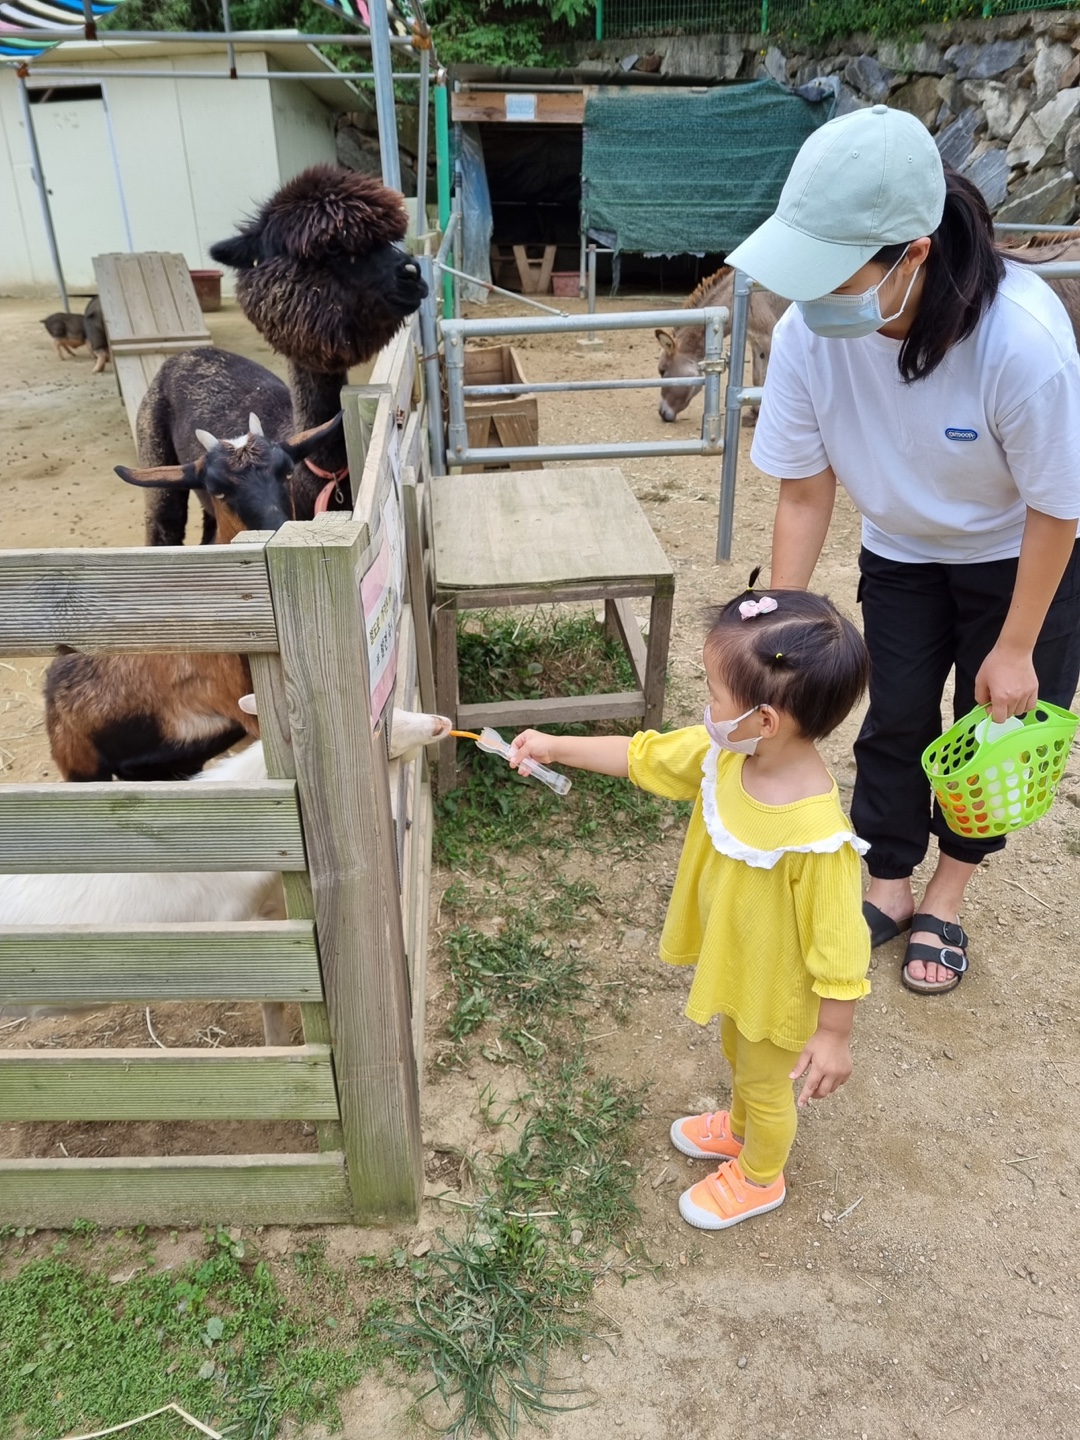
x=793, y=650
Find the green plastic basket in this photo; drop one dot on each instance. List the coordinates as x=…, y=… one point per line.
x=990, y=779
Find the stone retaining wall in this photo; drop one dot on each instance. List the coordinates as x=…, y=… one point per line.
x=1002, y=97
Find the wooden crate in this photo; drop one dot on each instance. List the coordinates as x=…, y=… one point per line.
x=491, y=421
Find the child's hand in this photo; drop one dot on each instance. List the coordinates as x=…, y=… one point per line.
x=827, y=1057
x=531, y=745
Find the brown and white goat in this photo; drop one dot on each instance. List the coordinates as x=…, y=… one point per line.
x=161, y=717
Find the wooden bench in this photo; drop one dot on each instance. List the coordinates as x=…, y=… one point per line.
x=544, y=536
x=150, y=308
x=534, y=275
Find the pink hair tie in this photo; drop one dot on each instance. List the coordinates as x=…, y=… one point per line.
x=749, y=608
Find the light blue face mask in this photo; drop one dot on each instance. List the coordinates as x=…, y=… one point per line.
x=850, y=317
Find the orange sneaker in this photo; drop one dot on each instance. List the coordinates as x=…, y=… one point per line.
x=726, y=1197
x=706, y=1137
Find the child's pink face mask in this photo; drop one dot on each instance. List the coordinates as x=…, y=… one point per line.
x=720, y=732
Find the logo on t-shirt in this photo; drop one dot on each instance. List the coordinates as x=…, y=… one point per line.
x=954, y=433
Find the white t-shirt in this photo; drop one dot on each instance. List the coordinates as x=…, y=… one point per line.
x=941, y=469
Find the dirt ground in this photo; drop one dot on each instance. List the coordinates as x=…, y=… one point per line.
x=923, y=1278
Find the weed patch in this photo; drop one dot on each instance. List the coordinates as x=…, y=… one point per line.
x=495, y=809
x=79, y=1349
x=492, y=1308
x=516, y=976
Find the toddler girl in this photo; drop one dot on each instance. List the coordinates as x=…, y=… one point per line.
x=767, y=901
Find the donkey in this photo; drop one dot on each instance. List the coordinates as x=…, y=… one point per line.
x=683, y=349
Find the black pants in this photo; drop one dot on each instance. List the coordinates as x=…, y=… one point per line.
x=920, y=620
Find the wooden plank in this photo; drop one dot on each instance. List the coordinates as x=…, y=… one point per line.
x=268, y=678
x=176, y=1190
x=535, y=275
x=564, y=710
x=629, y=631
x=255, y=960
x=155, y=347
x=279, y=1083
x=446, y=688
x=483, y=598
x=539, y=527
x=396, y=365
x=419, y=598
x=369, y=485
x=517, y=427
x=147, y=294
x=348, y=829
x=413, y=441
x=168, y=598
x=420, y=838
x=161, y=825
x=656, y=665
x=489, y=107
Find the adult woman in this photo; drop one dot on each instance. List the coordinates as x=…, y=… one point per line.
x=940, y=385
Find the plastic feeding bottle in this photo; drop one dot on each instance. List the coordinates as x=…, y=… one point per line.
x=491, y=741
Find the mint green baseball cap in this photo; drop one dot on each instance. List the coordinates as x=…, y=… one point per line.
x=869, y=179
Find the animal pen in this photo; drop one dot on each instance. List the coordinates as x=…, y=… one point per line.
x=326, y=611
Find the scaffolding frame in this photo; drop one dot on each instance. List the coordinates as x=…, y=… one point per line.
x=379, y=40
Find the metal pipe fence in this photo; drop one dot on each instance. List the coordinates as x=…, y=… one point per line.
x=456, y=332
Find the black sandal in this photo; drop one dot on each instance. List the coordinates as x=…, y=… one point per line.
x=953, y=955
x=883, y=928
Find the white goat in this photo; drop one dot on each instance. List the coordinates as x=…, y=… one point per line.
x=153, y=898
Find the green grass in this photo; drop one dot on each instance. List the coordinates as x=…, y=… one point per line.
x=81, y=1349
x=516, y=976
x=96, y=1333
x=493, y=1309
x=496, y=810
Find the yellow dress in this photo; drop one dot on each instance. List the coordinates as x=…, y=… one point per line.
x=768, y=898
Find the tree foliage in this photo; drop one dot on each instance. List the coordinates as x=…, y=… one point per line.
x=476, y=32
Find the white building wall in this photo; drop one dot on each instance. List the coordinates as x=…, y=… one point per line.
x=303, y=128
x=196, y=157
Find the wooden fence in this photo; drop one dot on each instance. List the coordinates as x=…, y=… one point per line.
x=325, y=610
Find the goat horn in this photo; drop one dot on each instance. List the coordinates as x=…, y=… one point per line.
x=254, y=424
x=205, y=439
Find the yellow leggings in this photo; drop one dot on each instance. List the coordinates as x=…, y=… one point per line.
x=762, y=1101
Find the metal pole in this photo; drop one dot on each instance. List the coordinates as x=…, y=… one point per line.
x=591, y=341
x=740, y=318
x=582, y=263
x=429, y=340
x=559, y=387
x=423, y=106
x=39, y=180
x=203, y=37
x=384, y=95
x=345, y=77
x=710, y=368
x=111, y=135
x=89, y=20
x=230, y=49
x=458, y=434
x=567, y=324
x=457, y=247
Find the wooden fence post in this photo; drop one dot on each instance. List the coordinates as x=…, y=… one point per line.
x=315, y=571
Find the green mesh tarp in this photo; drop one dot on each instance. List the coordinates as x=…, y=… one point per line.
x=682, y=172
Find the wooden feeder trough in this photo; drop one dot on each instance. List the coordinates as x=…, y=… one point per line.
x=492, y=421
